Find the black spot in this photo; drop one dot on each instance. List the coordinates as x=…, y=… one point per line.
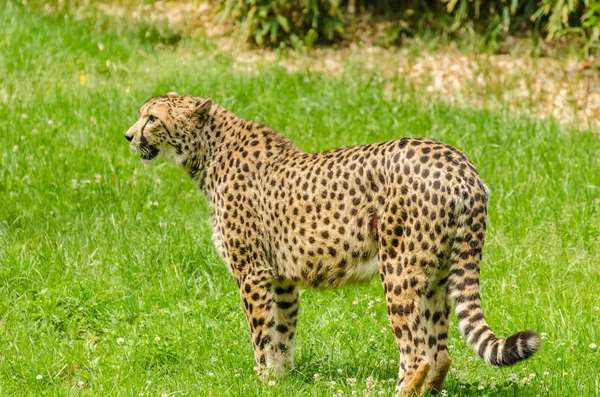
x=431, y=341
x=285, y=305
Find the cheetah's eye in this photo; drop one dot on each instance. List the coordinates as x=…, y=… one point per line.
x=151, y=119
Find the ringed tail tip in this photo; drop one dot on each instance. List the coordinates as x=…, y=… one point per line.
x=515, y=348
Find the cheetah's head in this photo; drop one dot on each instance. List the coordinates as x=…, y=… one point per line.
x=168, y=126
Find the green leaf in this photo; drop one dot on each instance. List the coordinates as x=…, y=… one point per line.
x=283, y=22
x=310, y=38
x=274, y=31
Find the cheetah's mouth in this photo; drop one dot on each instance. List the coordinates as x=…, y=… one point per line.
x=148, y=152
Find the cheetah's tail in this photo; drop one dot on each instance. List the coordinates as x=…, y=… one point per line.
x=464, y=287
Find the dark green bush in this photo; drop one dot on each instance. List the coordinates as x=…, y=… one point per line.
x=278, y=22
x=579, y=18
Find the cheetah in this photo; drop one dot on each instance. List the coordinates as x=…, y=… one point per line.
x=411, y=210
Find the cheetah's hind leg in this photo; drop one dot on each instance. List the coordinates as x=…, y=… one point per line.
x=435, y=312
x=404, y=273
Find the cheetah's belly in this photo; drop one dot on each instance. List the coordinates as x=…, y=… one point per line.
x=323, y=271
x=363, y=270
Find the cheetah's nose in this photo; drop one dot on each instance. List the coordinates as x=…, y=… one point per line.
x=128, y=137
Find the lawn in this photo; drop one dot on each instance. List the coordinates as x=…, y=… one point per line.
x=110, y=284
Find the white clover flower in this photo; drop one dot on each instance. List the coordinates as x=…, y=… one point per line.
x=80, y=383
x=370, y=383
x=157, y=339
x=480, y=387
x=332, y=384
x=524, y=381
x=351, y=382
x=544, y=335
x=513, y=378
x=120, y=341
x=546, y=373
x=340, y=371
x=15, y=149
x=316, y=376
x=271, y=383
x=39, y=377
x=592, y=346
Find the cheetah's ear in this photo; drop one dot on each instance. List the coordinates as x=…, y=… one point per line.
x=200, y=109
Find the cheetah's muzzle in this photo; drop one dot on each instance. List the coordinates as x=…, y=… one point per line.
x=148, y=152
x=411, y=210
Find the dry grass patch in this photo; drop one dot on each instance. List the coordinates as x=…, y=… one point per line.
x=567, y=90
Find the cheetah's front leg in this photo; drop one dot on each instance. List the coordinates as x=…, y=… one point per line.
x=271, y=309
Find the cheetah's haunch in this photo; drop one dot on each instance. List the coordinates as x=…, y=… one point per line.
x=412, y=210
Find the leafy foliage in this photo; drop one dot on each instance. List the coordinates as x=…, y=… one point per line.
x=580, y=18
x=277, y=22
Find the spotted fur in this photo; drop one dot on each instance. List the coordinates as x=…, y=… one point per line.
x=412, y=210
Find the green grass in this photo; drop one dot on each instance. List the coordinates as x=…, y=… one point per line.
x=95, y=246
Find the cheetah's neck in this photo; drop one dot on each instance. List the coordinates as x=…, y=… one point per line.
x=232, y=145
